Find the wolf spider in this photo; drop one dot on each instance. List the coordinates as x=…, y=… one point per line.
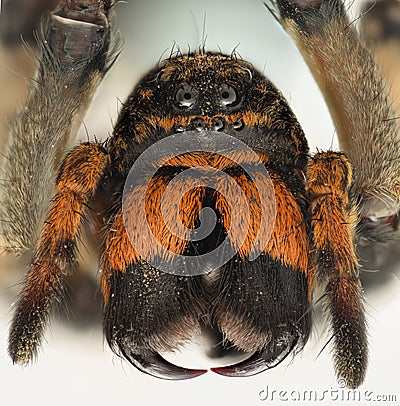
x=224, y=118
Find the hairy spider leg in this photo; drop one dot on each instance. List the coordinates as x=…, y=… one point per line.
x=78, y=180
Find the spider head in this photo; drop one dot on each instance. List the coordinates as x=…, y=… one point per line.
x=209, y=92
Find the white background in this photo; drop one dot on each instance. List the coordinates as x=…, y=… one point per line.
x=76, y=366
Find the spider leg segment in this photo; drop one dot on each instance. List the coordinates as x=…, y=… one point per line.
x=380, y=29
x=74, y=57
x=78, y=180
x=357, y=96
x=333, y=222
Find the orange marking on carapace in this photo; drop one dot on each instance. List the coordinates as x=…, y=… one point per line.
x=123, y=248
x=117, y=255
x=288, y=241
x=171, y=216
x=240, y=209
x=249, y=118
x=221, y=160
x=162, y=210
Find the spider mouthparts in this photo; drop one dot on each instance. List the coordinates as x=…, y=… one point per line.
x=260, y=361
x=152, y=363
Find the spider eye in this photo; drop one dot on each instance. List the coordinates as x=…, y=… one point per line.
x=228, y=95
x=185, y=96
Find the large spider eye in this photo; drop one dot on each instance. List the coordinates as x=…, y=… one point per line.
x=185, y=96
x=228, y=95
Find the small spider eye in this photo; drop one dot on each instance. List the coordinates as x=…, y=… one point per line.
x=185, y=96
x=228, y=95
